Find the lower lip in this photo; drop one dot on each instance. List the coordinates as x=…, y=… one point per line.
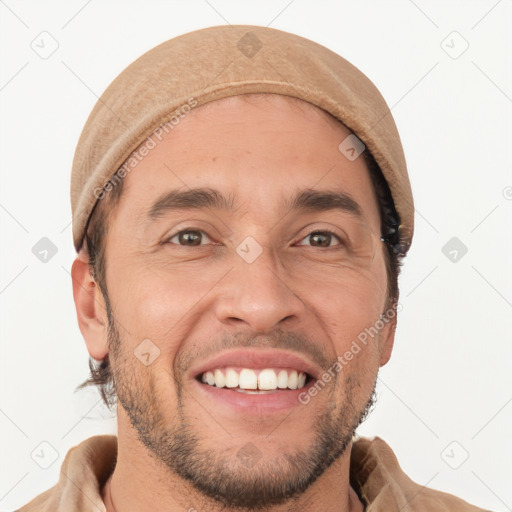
x=279, y=400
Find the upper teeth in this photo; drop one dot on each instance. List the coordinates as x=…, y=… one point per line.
x=246, y=378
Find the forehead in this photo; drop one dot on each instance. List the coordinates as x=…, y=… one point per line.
x=259, y=148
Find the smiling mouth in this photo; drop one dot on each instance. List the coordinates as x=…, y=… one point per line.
x=255, y=381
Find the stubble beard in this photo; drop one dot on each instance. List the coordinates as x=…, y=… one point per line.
x=224, y=478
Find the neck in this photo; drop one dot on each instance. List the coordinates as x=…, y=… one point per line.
x=139, y=480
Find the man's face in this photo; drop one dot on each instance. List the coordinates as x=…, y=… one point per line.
x=244, y=290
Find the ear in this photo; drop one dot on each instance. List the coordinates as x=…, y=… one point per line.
x=90, y=307
x=387, y=340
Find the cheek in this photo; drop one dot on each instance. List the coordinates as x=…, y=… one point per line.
x=349, y=304
x=159, y=305
x=358, y=367
x=349, y=312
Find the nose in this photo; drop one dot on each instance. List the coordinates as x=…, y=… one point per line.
x=259, y=295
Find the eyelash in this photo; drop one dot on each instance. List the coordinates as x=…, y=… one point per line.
x=318, y=231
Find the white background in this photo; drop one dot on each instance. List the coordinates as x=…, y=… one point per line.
x=449, y=379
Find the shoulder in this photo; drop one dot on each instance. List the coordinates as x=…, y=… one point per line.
x=84, y=470
x=378, y=478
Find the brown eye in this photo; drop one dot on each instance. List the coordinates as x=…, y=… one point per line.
x=322, y=238
x=188, y=238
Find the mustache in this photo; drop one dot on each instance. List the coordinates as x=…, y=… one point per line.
x=279, y=339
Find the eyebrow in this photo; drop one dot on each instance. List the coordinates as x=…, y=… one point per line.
x=324, y=200
x=191, y=199
x=205, y=197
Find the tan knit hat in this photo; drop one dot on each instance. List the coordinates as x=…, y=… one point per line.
x=228, y=60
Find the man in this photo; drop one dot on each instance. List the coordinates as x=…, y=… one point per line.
x=241, y=206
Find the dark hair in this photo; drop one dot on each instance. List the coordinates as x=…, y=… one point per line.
x=396, y=247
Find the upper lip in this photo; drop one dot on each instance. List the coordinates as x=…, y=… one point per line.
x=258, y=359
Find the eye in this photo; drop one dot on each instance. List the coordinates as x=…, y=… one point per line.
x=188, y=237
x=323, y=238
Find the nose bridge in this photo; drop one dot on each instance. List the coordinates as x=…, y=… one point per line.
x=256, y=291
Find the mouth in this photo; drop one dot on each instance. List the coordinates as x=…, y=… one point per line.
x=255, y=381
